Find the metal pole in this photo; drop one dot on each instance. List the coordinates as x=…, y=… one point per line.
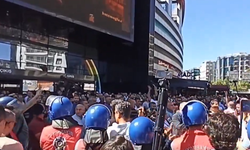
x=159, y=124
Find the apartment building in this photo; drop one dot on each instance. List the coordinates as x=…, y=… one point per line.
x=208, y=71
x=166, y=42
x=234, y=66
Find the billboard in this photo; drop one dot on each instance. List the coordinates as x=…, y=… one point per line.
x=114, y=17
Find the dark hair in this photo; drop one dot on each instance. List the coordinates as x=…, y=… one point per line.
x=223, y=130
x=2, y=113
x=117, y=143
x=124, y=109
x=115, y=102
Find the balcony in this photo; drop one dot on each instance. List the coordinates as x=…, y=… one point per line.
x=33, y=68
x=36, y=62
x=36, y=53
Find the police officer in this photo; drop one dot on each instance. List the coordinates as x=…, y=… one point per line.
x=96, y=122
x=141, y=133
x=64, y=131
x=195, y=115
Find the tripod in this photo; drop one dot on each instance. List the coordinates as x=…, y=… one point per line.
x=159, y=124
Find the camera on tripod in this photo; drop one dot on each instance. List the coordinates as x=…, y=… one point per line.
x=163, y=77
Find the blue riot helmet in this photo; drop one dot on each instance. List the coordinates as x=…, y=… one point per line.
x=7, y=101
x=97, y=117
x=50, y=99
x=194, y=113
x=60, y=107
x=141, y=131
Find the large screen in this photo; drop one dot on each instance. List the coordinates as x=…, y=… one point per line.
x=114, y=17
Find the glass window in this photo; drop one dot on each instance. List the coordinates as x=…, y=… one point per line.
x=58, y=42
x=51, y=53
x=5, y=51
x=58, y=68
x=74, y=63
x=33, y=37
x=225, y=61
x=165, y=30
x=11, y=33
x=50, y=60
x=231, y=61
x=59, y=61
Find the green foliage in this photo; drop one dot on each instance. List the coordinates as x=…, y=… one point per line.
x=241, y=85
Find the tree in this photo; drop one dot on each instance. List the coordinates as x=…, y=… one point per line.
x=221, y=82
x=242, y=86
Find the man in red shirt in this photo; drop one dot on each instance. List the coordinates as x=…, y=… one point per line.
x=64, y=131
x=194, y=117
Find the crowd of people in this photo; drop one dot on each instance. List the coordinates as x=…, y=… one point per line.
x=123, y=121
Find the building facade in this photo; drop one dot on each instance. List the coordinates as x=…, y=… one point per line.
x=28, y=57
x=166, y=43
x=208, y=71
x=234, y=67
x=46, y=42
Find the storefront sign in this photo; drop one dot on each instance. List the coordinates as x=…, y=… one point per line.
x=5, y=71
x=70, y=76
x=186, y=74
x=161, y=63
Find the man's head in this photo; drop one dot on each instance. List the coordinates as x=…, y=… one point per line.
x=223, y=130
x=138, y=102
x=10, y=121
x=231, y=104
x=38, y=111
x=113, y=103
x=152, y=106
x=118, y=142
x=80, y=110
x=108, y=99
x=122, y=111
x=2, y=119
x=194, y=114
x=132, y=103
x=92, y=100
x=30, y=94
x=76, y=97
x=170, y=106
x=85, y=104
x=214, y=103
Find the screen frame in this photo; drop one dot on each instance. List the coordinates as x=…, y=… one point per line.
x=242, y=103
x=53, y=14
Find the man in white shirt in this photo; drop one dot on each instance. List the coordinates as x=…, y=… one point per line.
x=122, y=118
x=79, y=112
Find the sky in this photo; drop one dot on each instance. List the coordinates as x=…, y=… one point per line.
x=214, y=28
x=5, y=51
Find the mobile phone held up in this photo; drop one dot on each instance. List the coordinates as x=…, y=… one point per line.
x=245, y=105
